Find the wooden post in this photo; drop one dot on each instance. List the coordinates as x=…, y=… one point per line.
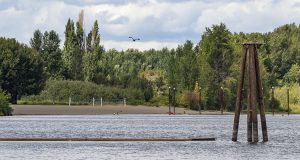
x=238, y=102
x=222, y=99
x=174, y=99
x=260, y=97
x=249, y=109
x=255, y=94
x=169, y=100
x=199, y=100
x=273, y=101
x=288, y=100
x=253, y=91
x=70, y=101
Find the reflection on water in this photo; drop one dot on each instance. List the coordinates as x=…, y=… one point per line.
x=284, y=136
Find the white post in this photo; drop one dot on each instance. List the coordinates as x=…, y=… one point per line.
x=70, y=101
x=124, y=101
x=101, y=101
x=93, y=101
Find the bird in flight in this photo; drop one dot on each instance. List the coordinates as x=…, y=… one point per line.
x=134, y=39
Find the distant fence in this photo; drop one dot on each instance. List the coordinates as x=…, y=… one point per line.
x=95, y=101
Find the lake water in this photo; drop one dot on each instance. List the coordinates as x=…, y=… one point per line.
x=283, y=131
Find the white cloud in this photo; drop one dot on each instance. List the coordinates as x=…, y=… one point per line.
x=157, y=22
x=251, y=16
x=123, y=45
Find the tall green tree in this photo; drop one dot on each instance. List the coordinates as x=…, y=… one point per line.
x=72, y=55
x=80, y=32
x=284, y=48
x=216, y=46
x=52, y=55
x=93, y=54
x=189, y=66
x=47, y=46
x=22, y=69
x=36, y=41
x=172, y=69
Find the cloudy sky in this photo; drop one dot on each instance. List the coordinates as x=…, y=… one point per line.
x=159, y=23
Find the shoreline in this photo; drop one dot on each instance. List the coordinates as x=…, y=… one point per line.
x=104, y=110
x=112, y=109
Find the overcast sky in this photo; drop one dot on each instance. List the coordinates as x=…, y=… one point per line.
x=159, y=23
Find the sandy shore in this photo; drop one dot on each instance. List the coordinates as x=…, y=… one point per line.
x=97, y=110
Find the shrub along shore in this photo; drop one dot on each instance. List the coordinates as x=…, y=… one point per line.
x=5, y=109
x=87, y=93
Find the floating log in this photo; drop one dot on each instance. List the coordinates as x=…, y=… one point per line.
x=110, y=139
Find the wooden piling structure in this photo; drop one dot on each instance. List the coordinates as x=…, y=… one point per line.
x=249, y=58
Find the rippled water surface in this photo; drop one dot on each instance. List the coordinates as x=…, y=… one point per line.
x=284, y=136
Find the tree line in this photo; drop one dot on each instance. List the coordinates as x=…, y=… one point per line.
x=210, y=64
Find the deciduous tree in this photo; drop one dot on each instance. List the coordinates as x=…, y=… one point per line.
x=22, y=69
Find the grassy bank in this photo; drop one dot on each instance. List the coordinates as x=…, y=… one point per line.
x=59, y=92
x=294, y=97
